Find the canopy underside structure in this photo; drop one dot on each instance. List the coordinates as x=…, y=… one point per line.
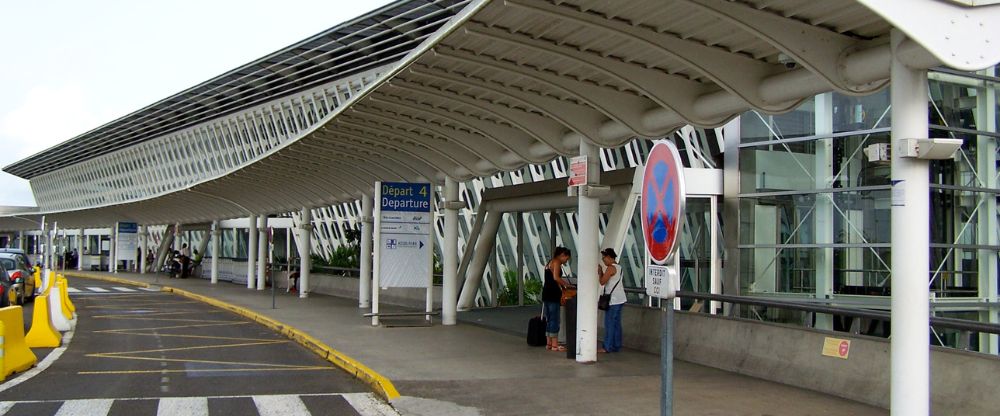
x=508, y=83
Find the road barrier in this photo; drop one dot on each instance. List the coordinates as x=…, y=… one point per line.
x=16, y=355
x=64, y=285
x=42, y=334
x=57, y=315
x=63, y=295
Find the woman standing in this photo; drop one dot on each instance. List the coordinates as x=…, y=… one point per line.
x=551, y=294
x=611, y=280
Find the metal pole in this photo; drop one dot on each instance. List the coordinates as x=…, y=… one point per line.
x=79, y=249
x=520, y=258
x=365, y=285
x=910, y=351
x=273, y=286
x=667, y=361
x=449, y=255
x=252, y=252
x=376, y=252
x=113, y=255
x=262, y=253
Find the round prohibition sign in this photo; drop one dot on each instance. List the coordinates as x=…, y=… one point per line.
x=662, y=201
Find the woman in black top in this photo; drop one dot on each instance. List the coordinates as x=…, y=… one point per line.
x=551, y=294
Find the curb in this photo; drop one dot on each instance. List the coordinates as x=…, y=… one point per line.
x=381, y=385
x=110, y=279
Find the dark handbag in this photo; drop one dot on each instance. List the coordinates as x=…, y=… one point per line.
x=604, y=302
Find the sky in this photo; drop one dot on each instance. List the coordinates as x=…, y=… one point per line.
x=68, y=66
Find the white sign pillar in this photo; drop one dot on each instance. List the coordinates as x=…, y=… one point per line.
x=305, y=252
x=403, y=248
x=909, y=346
x=587, y=260
x=367, y=222
x=215, y=252
x=251, y=252
x=262, y=245
x=113, y=253
x=449, y=257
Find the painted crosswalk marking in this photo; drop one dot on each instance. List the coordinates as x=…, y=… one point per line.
x=280, y=405
x=364, y=404
x=123, y=289
x=88, y=407
x=192, y=406
x=96, y=289
x=72, y=290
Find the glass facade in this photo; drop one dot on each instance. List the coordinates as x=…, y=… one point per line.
x=814, y=212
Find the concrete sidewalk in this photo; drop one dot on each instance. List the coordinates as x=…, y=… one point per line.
x=473, y=369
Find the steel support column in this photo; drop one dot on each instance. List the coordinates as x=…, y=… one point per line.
x=305, y=251
x=588, y=214
x=252, y=252
x=367, y=222
x=910, y=375
x=216, y=233
x=113, y=255
x=449, y=258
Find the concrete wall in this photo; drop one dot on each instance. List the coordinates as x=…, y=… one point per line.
x=964, y=383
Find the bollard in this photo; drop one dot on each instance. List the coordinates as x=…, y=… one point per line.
x=14, y=351
x=42, y=334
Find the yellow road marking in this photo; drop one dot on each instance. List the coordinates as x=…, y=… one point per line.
x=111, y=331
x=196, y=336
x=197, y=347
x=140, y=318
x=178, y=360
x=220, y=370
x=155, y=314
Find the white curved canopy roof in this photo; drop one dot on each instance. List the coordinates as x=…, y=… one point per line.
x=508, y=83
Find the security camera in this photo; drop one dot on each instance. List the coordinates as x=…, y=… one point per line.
x=787, y=61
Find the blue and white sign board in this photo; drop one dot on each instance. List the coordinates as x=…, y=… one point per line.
x=403, y=220
x=127, y=241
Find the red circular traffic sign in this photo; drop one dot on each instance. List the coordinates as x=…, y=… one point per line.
x=662, y=200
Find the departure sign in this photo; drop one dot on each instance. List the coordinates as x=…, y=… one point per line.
x=662, y=201
x=403, y=218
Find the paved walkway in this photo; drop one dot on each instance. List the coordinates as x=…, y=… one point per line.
x=472, y=369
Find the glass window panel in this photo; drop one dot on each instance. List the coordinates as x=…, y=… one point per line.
x=861, y=113
x=800, y=122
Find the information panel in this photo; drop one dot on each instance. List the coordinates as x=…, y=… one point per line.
x=403, y=219
x=127, y=241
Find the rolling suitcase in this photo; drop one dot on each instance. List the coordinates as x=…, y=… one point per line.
x=536, y=331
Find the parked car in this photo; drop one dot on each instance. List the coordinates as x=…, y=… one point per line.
x=18, y=282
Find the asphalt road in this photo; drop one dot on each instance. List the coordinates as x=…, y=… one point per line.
x=140, y=352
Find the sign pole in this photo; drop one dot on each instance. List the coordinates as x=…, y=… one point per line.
x=377, y=252
x=662, y=217
x=667, y=360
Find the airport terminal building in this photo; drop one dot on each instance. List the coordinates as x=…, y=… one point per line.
x=783, y=113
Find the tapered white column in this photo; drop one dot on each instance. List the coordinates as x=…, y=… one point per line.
x=910, y=375
x=262, y=245
x=305, y=251
x=367, y=222
x=587, y=261
x=79, y=249
x=143, y=246
x=216, y=233
x=20, y=241
x=449, y=258
x=252, y=252
x=113, y=255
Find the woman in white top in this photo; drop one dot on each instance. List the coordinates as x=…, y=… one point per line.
x=611, y=281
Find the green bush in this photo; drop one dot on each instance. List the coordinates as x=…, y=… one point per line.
x=532, y=289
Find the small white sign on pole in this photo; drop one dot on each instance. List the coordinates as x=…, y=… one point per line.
x=661, y=281
x=578, y=171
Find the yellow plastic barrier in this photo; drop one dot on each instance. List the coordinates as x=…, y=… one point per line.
x=63, y=305
x=16, y=355
x=64, y=284
x=37, y=275
x=42, y=334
